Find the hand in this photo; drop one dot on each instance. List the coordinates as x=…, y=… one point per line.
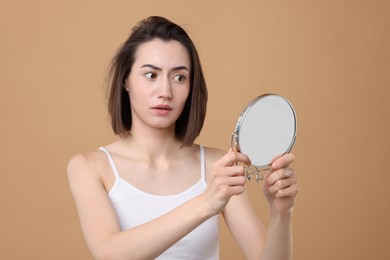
x=281, y=186
x=226, y=180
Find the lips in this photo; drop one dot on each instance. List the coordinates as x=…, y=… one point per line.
x=162, y=107
x=162, y=110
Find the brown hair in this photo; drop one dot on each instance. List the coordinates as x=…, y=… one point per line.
x=190, y=122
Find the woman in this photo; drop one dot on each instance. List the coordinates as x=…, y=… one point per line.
x=156, y=194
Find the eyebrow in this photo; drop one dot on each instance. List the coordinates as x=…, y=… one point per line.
x=159, y=69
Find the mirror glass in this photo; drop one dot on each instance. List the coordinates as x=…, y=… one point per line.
x=265, y=130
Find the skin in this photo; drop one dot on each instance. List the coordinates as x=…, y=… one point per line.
x=160, y=76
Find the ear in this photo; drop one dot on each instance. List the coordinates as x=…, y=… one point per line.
x=126, y=85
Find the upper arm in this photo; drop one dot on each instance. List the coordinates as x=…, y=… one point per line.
x=97, y=217
x=245, y=226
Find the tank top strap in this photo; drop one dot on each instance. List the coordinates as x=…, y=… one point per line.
x=202, y=163
x=111, y=160
x=116, y=173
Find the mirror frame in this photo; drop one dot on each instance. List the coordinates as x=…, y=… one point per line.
x=235, y=136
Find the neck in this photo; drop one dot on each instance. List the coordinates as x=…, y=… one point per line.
x=154, y=144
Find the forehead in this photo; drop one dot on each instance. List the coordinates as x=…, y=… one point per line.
x=162, y=54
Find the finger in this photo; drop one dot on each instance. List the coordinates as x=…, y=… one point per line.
x=235, y=170
x=282, y=184
x=237, y=181
x=224, y=174
x=233, y=148
x=290, y=191
x=235, y=190
x=232, y=157
x=280, y=174
x=283, y=161
x=225, y=184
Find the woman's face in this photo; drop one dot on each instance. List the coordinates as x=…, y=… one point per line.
x=159, y=83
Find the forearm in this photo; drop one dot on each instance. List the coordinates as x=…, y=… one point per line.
x=151, y=239
x=279, y=242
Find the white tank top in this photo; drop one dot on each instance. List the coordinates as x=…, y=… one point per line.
x=134, y=207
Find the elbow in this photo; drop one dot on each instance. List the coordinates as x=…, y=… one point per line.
x=107, y=253
x=105, y=248
x=104, y=253
x=111, y=250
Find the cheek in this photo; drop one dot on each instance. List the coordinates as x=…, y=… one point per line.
x=136, y=90
x=185, y=92
x=137, y=97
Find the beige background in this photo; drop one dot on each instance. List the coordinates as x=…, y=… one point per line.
x=330, y=58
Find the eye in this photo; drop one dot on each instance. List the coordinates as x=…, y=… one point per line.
x=179, y=78
x=150, y=75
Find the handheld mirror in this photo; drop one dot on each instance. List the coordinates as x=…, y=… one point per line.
x=265, y=130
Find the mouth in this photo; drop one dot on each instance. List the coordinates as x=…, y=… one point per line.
x=162, y=107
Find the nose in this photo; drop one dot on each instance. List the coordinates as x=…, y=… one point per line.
x=165, y=91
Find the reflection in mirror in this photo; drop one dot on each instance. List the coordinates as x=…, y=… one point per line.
x=265, y=130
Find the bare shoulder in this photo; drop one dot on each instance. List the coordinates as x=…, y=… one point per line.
x=86, y=165
x=213, y=154
x=88, y=159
